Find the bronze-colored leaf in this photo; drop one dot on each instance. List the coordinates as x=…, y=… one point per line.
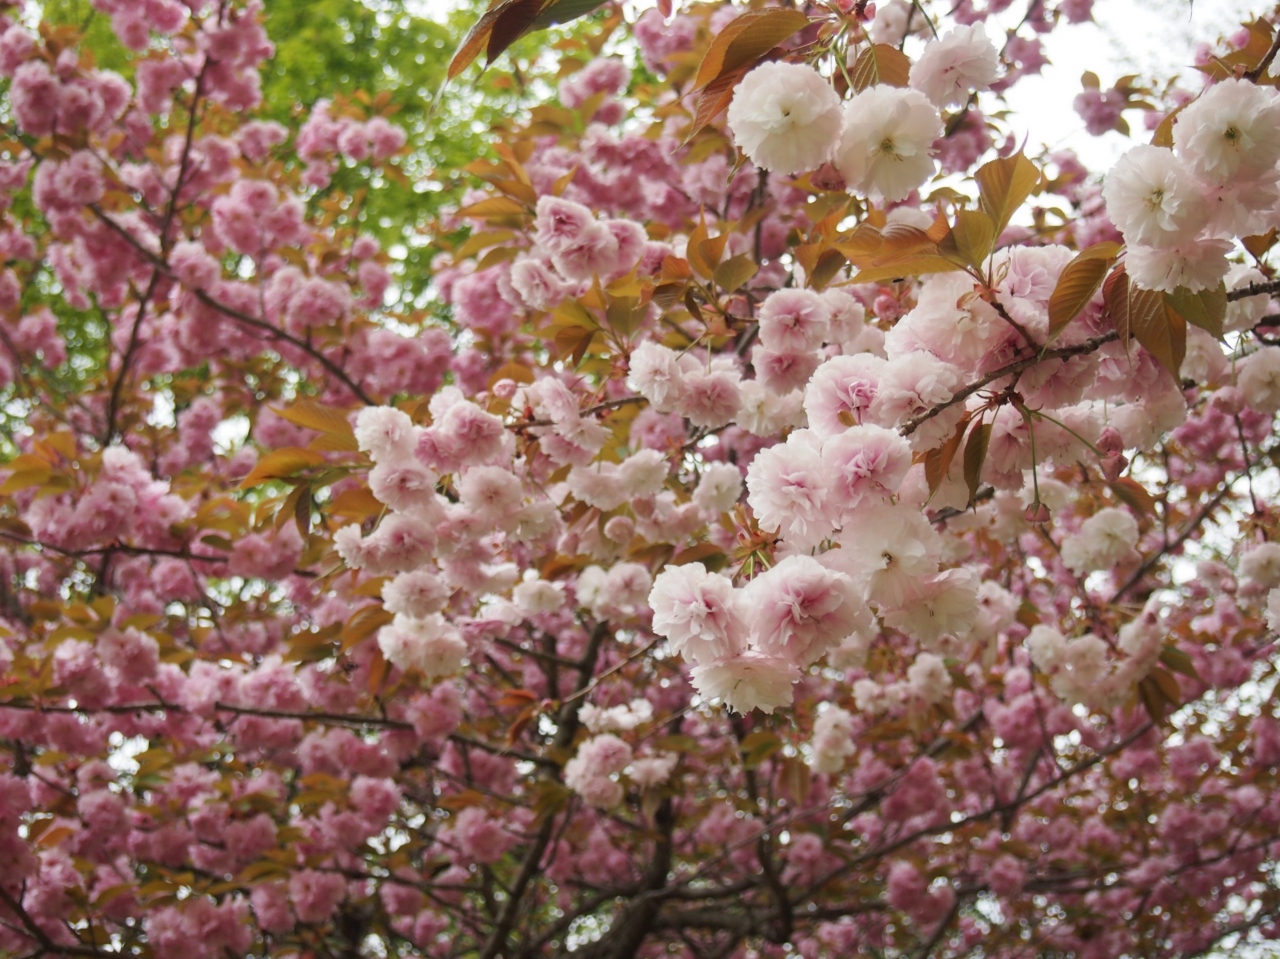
x=316, y=416
x=281, y=464
x=1004, y=185
x=1179, y=662
x=975, y=454
x=1161, y=331
x=917, y=265
x=900, y=241
x=735, y=271
x=1206, y=309
x=937, y=462
x=829, y=263
x=1115, y=294
x=494, y=206
x=970, y=240
x=1078, y=282
x=745, y=40
x=880, y=63
x=1135, y=495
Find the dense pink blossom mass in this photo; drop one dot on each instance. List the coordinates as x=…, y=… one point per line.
x=803, y=519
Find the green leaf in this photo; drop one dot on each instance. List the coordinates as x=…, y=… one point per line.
x=969, y=242
x=975, y=454
x=1078, y=282
x=880, y=63
x=735, y=271
x=910, y=266
x=1206, y=309
x=624, y=314
x=1004, y=186
x=1179, y=662
x=747, y=39
x=281, y=464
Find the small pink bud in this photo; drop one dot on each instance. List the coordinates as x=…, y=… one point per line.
x=1037, y=513
x=1110, y=440
x=887, y=307
x=1113, y=465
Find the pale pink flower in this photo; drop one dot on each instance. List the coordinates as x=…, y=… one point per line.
x=1230, y=132
x=799, y=609
x=698, y=612
x=944, y=604
x=1153, y=198
x=894, y=550
x=929, y=679
x=785, y=117
x=788, y=489
x=719, y=489
x=962, y=61
x=842, y=391
x=886, y=150
x=492, y=493
x=417, y=593
x=711, y=398
x=793, y=321
x=1105, y=538
x=656, y=373
x=1198, y=264
x=783, y=372
x=560, y=224
x=428, y=645
x=385, y=432
x=648, y=772
x=865, y=464
x=750, y=680
x=848, y=317
x=832, y=739
x=1258, y=377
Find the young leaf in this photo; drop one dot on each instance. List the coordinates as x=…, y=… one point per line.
x=880, y=63
x=969, y=242
x=316, y=416
x=1206, y=309
x=280, y=464
x=1115, y=293
x=1159, y=329
x=735, y=271
x=747, y=39
x=1078, y=282
x=1004, y=185
x=975, y=454
x=562, y=11
x=477, y=37
x=506, y=21
x=937, y=462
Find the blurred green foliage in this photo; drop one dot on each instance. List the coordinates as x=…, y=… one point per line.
x=328, y=47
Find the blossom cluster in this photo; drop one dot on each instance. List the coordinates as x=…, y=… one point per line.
x=733, y=547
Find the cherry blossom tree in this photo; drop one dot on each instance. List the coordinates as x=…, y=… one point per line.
x=795, y=520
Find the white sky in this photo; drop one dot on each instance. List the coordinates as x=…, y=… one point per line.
x=1155, y=38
